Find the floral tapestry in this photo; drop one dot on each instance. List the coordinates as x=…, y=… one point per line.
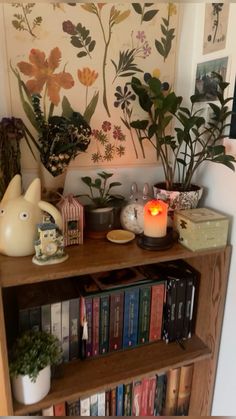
x=81, y=57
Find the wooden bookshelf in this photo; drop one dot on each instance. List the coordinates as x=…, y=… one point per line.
x=87, y=377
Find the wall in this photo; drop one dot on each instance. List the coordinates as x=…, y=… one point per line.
x=219, y=183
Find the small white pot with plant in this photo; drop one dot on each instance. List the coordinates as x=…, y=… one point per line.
x=30, y=360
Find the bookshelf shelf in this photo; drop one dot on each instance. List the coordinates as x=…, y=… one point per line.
x=83, y=377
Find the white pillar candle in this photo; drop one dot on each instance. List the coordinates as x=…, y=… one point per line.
x=155, y=218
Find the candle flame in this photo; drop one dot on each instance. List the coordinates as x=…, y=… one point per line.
x=155, y=210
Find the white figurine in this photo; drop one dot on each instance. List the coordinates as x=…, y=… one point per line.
x=19, y=216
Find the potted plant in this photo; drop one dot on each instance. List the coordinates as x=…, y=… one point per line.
x=103, y=212
x=196, y=139
x=30, y=359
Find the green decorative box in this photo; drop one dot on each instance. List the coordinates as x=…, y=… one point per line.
x=201, y=228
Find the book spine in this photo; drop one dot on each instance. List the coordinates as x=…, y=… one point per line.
x=94, y=405
x=116, y=320
x=157, y=299
x=102, y=404
x=35, y=318
x=113, y=402
x=89, y=316
x=85, y=406
x=95, y=328
x=56, y=320
x=189, y=303
x=180, y=307
x=144, y=314
x=23, y=320
x=169, y=316
x=130, y=328
x=104, y=324
x=73, y=408
x=137, y=397
x=74, y=328
x=160, y=394
x=172, y=389
x=65, y=330
x=144, y=397
x=48, y=411
x=119, y=400
x=185, y=385
x=108, y=402
x=128, y=399
x=151, y=395
x=60, y=409
x=46, y=318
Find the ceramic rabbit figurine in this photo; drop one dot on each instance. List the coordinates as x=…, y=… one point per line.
x=19, y=216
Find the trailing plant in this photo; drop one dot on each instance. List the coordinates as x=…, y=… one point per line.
x=100, y=190
x=196, y=139
x=33, y=351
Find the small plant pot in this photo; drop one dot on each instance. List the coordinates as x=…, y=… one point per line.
x=98, y=221
x=27, y=392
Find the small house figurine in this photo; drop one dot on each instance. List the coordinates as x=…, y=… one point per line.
x=49, y=246
x=72, y=220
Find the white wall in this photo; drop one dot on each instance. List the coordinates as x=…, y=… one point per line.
x=220, y=189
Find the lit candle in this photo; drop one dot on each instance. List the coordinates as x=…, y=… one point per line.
x=155, y=218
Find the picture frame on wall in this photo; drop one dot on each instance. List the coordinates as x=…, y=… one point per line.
x=215, y=27
x=206, y=84
x=232, y=132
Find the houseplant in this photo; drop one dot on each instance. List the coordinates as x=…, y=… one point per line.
x=102, y=213
x=196, y=138
x=30, y=359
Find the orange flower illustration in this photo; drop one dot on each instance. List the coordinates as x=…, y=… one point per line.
x=42, y=72
x=87, y=77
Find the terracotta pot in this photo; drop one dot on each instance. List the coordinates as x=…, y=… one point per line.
x=177, y=199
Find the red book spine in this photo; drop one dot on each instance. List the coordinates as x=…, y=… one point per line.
x=116, y=320
x=95, y=340
x=137, y=398
x=157, y=300
x=144, y=396
x=60, y=409
x=113, y=402
x=151, y=396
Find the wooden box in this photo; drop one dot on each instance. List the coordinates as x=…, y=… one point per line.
x=201, y=228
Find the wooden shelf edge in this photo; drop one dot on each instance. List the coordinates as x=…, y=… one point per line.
x=82, y=378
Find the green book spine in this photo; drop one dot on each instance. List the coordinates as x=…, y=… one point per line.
x=128, y=399
x=144, y=314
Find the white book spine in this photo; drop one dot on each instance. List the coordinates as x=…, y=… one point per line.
x=65, y=330
x=56, y=320
x=101, y=404
x=85, y=407
x=48, y=411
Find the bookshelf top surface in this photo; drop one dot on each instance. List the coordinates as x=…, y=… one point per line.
x=93, y=256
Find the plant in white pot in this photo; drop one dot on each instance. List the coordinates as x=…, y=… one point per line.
x=100, y=215
x=30, y=360
x=196, y=139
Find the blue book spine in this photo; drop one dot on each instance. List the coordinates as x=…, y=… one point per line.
x=131, y=307
x=119, y=400
x=104, y=324
x=89, y=310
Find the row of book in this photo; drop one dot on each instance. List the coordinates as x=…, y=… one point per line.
x=167, y=394
x=95, y=314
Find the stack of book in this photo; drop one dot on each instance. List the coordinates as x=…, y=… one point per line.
x=95, y=314
x=166, y=394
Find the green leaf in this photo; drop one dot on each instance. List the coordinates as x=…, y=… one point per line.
x=67, y=110
x=112, y=184
x=137, y=7
x=149, y=15
x=89, y=111
x=91, y=46
x=87, y=180
x=82, y=54
x=75, y=41
x=159, y=48
x=141, y=125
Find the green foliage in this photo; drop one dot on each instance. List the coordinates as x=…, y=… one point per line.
x=32, y=352
x=146, y=16
x=126, y=66
x=21, y=21
x=100, y=190
x=80, y=38
x=197, y=139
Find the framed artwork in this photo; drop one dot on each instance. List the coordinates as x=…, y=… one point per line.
x=215, y=27
x=206, y=84
x=232, y=133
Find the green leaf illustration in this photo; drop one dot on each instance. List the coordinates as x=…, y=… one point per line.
x=149, y=15
x=80, y=38
x=89, y=111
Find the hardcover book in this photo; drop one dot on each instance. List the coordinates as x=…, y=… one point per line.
x=85, y=406
x=172, y=389
x=130, y=328
x=185, y=385
x=152, y=382
x=137, y=398
x=94, y=405
x=119, y=399
x=89, y=318
x=128, y=399
x=60, y=409
x=170, y=311
x=48, y=411
x=104, y=324
x=46, y=318
x=116, y=320
x=65, y=330
x=113, y=402
x=102, y=404
x=74, y=328
x=56, y=320
x=160, y=394
x=180, y=307
x=73, y=408
x=144, y=314
x=156, y=312
x=95, y=326
x=144, y=397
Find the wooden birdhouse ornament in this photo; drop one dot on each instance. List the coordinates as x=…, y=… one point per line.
x=72, y=220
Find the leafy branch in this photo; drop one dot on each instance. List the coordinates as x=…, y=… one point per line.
x=126, y=66
x=21, y=22
x=164, y=46
x=80, y=38
x=146, y=16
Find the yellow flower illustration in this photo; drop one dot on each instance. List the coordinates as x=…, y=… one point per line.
x=172, y=9
x=156, y=73
x=87, y=77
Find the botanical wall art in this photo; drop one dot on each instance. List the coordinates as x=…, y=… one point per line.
x=81, y=57
x=215, y=27
x=206, y=84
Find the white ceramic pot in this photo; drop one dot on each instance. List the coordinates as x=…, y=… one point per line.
x=178, y=199
x=27, y=392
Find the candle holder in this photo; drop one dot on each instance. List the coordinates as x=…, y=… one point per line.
x=158, y=243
